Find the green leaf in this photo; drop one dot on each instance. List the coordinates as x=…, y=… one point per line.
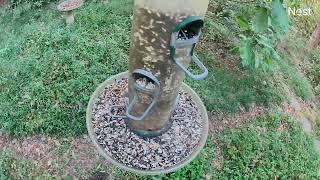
x=268, y=60
x=246, y=52
x=266, y=43
x=258, y=58
x=243, y=23
x=234, y=50
x=279, y=17
x=260, y=21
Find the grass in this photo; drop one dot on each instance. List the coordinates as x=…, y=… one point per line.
x=270, y=147
x=12, y=168
x=228, y=86
x=226, y=92
x=314, y=72
x=296, y=81
x=305, y=82
x=264, y=150
x=314, y=76
x=5, y=165
x=49, y=70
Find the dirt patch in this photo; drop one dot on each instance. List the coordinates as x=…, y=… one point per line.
x=3, y=2
x=220, y=121
x=83, y=153
x=59, y=157
x=3, y=141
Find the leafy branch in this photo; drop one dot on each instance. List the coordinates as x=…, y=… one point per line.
x=260, y=34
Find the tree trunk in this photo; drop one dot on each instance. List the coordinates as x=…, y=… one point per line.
x=315, y=38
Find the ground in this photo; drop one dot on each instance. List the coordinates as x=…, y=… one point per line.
x=76, y=157
x=262, y=124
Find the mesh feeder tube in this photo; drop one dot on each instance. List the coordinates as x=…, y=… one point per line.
x=163, y=41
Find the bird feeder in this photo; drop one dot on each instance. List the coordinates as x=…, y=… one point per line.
x=67, y=7
x=147, y=120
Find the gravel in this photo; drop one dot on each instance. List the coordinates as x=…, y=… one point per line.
x=157, y=153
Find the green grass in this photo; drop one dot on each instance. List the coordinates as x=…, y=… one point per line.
x=12, y=168
x=296, y=81
x=314, y=76
x=5, y=162
x=257, y=150
x=226, y=91
x=270, y=147
x=300, y=71
x=260, y=150
x=290, y=69
x=314, y=71
x=48, y=70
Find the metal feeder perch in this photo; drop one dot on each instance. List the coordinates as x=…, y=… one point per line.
x=147, y=120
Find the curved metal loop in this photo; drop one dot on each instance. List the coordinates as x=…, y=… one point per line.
x=144, y=115
x=155, y=94
x=194, y=23
x=201, y=66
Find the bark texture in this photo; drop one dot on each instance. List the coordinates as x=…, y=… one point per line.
x=315, y=38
